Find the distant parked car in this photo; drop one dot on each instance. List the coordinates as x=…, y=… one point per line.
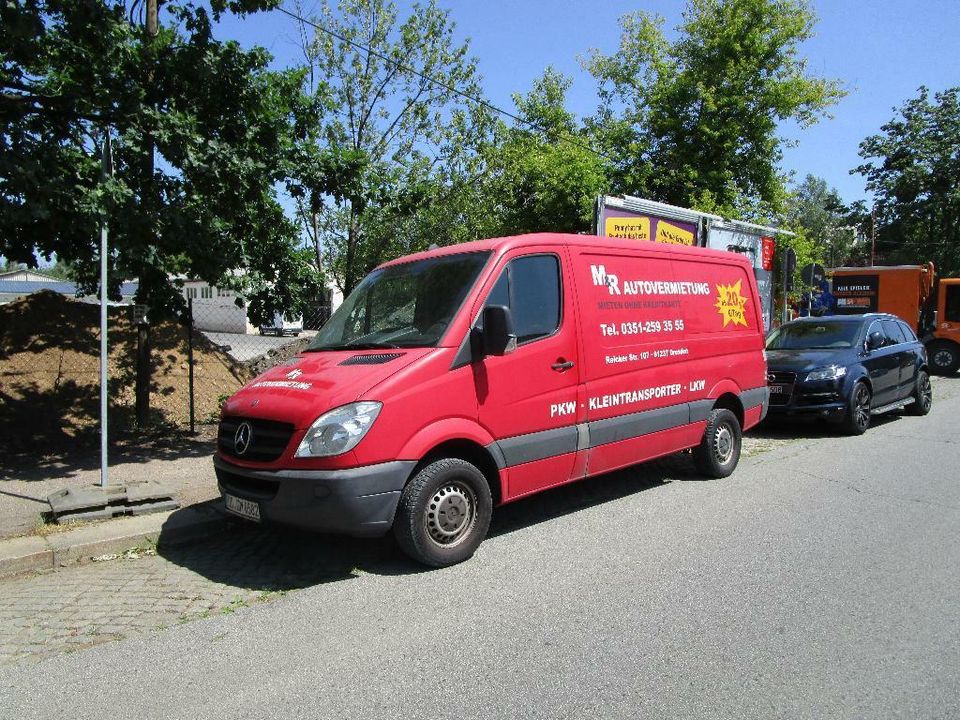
x=847, y=368
x=282, y=326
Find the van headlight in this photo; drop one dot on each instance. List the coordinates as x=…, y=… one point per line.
x=828, y=373
x=339, y=430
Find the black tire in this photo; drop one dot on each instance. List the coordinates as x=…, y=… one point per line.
x=944, y=357
x=444, y=513
x=922, y=395
x=718, y=453
x=857, y=419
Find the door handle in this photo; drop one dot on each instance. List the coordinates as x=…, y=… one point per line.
x=563, y=365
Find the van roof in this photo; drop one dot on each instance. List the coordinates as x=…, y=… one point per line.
x=504, y=244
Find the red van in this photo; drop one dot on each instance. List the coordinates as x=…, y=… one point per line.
x=457, y=379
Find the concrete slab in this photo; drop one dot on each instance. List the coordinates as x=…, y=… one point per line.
x=95, y=502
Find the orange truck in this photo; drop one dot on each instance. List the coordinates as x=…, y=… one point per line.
x=929, y=304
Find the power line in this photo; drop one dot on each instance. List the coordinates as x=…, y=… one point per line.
x=566, y=137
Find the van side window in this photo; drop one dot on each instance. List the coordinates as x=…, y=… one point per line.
x=530, y=287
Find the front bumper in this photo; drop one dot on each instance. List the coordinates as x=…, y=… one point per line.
x=830, y=409
x=356, y=501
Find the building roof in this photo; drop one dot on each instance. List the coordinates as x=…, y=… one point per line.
x=27, y=275
x=26, y=287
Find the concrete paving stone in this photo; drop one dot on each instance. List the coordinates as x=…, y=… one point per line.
x=94, y=603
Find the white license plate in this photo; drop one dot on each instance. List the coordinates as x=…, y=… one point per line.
x=244, y=508
x=777, y=390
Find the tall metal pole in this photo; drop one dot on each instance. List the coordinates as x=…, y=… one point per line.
x=873, y=234
x=107, y=163
x=193, y=426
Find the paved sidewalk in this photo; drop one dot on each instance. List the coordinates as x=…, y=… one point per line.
x=147, y=589
x=182, y=464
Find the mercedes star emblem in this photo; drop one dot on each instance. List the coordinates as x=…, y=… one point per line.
x=242, y=438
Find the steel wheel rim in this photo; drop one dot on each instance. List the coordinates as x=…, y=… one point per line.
x=723, y=443
x=451, y=513
x=862, y=407
x=926, y=393
x=942, y=358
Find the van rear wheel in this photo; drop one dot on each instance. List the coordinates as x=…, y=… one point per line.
x=444, y=513
x=718, y=453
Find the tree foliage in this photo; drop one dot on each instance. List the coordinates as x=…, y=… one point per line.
x=912, y=167
x=202, y=134
x=817, y=211
x=693, y=122
x=545, y=176
x=398, y=118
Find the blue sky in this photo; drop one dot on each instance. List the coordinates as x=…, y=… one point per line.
x=881, y=50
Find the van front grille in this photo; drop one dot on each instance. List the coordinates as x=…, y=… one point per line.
x=268, y=438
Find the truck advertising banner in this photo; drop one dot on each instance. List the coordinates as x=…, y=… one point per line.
x=646, y=311
x=856, y=294
x=616, y=222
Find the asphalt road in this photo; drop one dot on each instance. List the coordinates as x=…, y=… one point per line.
x=820, y=581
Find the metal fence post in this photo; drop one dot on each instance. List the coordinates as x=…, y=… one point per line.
x=144, y=373
x=193, y=428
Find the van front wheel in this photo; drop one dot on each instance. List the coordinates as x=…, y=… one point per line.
x=444, y=513
x=718, y=453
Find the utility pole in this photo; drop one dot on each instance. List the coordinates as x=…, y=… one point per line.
x=106, y=159
x=873, y=234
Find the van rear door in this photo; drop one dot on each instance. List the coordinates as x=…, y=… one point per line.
x=528, y=399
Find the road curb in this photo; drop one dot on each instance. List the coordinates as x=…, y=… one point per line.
x=32, y=554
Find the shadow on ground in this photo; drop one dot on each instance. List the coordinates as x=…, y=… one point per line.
x=126, y=448
x=811, y=428
x=273, y=558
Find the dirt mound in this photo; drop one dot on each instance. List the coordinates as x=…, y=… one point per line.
x=50, y=373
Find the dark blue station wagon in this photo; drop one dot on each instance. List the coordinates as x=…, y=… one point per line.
x=847, y=368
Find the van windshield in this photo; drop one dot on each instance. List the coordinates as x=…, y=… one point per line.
x=814, y=336
x=400, y=306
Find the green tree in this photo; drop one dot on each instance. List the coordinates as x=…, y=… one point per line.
x=816, y=209
x=694, y=122
x=545, y=176
x=405, y=135
x=912, y=168
x=203, y=134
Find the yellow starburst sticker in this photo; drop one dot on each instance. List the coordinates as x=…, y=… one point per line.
x=731, y=304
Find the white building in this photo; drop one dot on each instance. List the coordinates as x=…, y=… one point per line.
x=216, y=309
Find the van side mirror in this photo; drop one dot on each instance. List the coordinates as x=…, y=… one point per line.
x=875, y=340
x=498, y=336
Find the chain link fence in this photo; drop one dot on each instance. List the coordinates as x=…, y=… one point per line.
x=50, y=366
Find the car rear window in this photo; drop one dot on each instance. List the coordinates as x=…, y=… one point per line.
x=907, y=331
